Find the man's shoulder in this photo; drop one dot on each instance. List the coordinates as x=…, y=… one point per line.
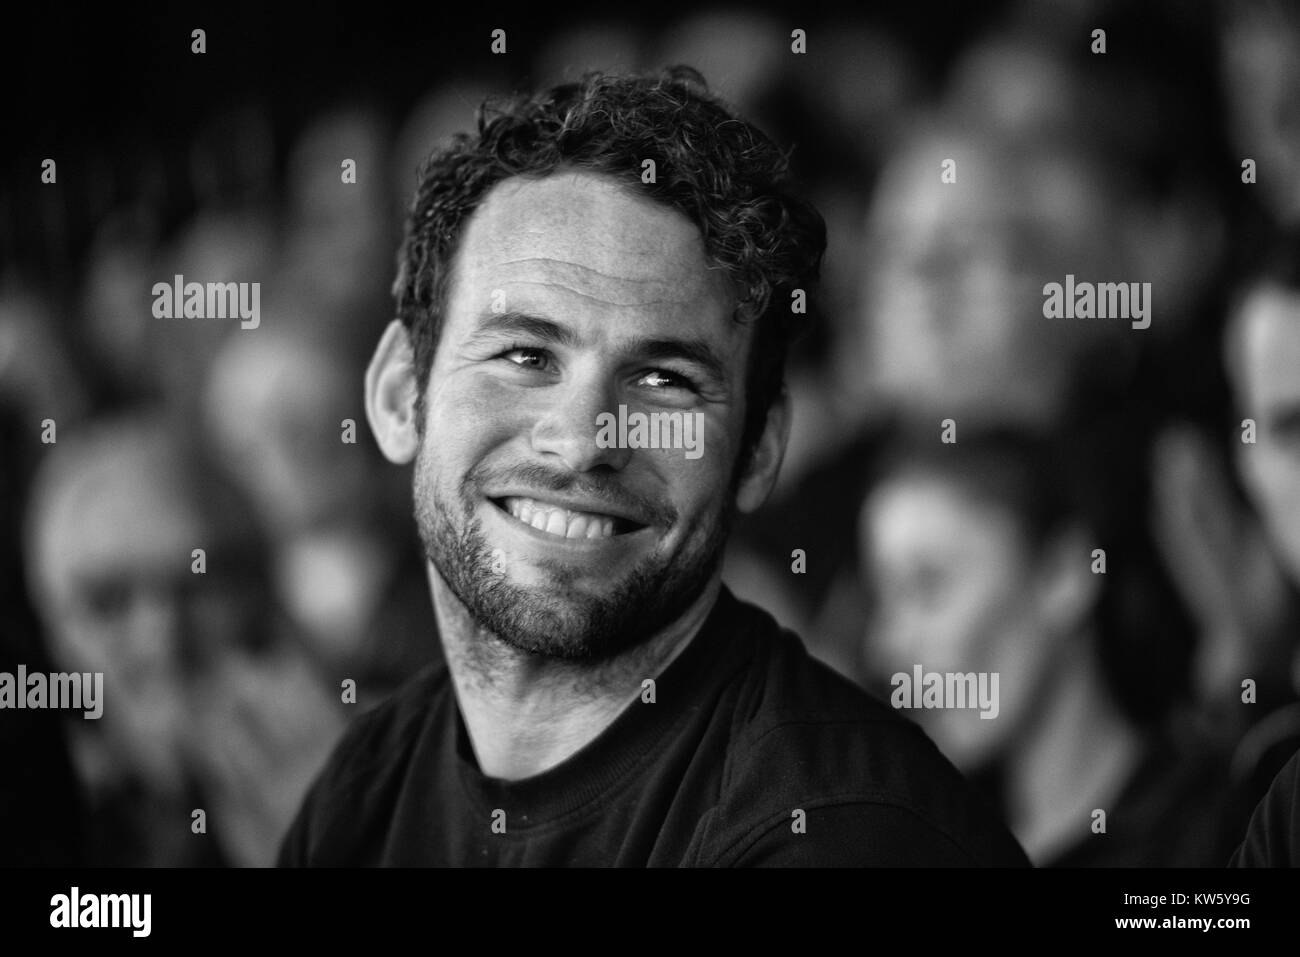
x=809, y=748
x=359, y=780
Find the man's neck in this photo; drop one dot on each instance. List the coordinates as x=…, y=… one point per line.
x=526, y=714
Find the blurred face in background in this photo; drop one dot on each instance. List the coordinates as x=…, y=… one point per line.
x=113, y=580
x=1260, y=66
x=953, y=296
x=956, y=590
x=1268, y=391
x=274, y=404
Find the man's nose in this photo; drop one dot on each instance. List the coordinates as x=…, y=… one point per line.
x=568, y=427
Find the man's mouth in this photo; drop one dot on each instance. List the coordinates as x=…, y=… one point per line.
x=564, y=522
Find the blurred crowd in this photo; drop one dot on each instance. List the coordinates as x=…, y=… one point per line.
x=1161, y=686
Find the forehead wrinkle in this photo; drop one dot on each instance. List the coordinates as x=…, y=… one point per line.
x=569, y=264
x=679, y=289
x=600, y=299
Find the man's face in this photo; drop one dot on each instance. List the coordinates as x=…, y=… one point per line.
x=1269, y=393
x=571, y=297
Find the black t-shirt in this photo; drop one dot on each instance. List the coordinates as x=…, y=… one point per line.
x=1273, y=835
x=751, y=753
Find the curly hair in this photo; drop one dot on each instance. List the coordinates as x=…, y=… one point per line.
x=723, y=174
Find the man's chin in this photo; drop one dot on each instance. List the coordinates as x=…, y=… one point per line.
x=568, y=587
x=559, y=622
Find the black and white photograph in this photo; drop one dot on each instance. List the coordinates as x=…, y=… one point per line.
x=691, y=435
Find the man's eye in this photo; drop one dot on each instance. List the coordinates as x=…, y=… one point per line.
x=661, y=379
x=528, y=358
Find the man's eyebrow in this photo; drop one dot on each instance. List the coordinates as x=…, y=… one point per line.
x=524, y=324
x=696, y=351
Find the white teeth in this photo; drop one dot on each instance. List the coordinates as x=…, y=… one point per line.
x=558, y=521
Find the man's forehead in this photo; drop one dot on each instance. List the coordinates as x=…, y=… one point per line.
x=584, y=233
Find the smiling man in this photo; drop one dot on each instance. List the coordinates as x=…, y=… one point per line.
x=605, y=700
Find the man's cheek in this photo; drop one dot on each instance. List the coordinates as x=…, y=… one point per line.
x=694, y=488
x=702, y=453
x=477, y=405
x=465, y=420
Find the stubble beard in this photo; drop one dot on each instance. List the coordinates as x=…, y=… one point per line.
x=557, y=620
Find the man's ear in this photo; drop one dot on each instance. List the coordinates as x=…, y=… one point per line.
x=391, y=390
x=765, y=463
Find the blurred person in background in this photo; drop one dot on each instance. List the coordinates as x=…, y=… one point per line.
x=1262, y=348
x=948, y=323
x=342, y=560
x=112, y=322
x=39, y=378
x=110, y=531
x=1259, y=65
x=979, y=555
x=337, y=228
x=951, y=314
x=1054, y=173
x=137, y=356
x=117, y=510
x=1225, y=518
x=1262, y=353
